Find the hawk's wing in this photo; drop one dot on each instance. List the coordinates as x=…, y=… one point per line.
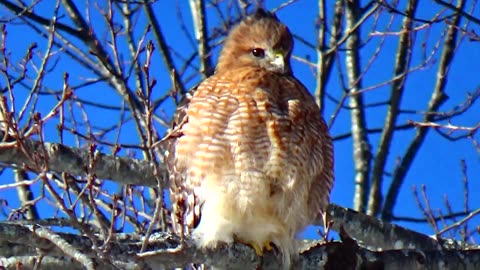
x=185, y=208
x=319, y=149
x=323, y=182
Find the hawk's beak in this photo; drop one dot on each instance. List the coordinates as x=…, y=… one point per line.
x=277, y=61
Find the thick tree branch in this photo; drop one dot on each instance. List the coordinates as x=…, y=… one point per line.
x=374, y=233
x=361, y=145
x=165, y=250
x=71, y=160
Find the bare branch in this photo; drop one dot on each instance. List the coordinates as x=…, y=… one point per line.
x=162, y=43
x=404, y=54
x=438, y=98
x=62, y=158
x=361, y=144
x=197, y=8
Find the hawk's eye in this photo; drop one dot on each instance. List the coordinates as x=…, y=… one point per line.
x=258, y=52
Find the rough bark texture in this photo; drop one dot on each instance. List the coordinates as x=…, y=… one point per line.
x=20, y=243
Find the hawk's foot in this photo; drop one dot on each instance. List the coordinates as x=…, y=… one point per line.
x=258, y=249
x=268, y=246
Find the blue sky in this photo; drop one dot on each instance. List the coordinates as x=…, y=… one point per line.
x=438, y=163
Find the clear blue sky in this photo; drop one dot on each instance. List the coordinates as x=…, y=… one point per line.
x=438, y=163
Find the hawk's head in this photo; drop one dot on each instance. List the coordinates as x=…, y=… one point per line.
x=260, y=40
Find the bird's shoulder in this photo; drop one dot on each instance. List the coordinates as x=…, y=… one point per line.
x=276, y=94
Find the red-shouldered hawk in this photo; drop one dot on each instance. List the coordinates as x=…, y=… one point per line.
x=250, y=157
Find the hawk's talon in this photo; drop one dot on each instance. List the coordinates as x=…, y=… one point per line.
x=268, y=246
x=258, y=249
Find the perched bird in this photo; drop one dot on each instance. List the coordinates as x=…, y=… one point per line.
x=250, y=157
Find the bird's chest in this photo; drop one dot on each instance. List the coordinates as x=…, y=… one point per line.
x=245, y=133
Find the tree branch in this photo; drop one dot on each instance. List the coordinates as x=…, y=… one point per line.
x=128, y=171
x=402, y=63
x=361, y=145
x=168, y=251
x=62, y=158
x=197, y=8
x=438, y=98
x=164, y=50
